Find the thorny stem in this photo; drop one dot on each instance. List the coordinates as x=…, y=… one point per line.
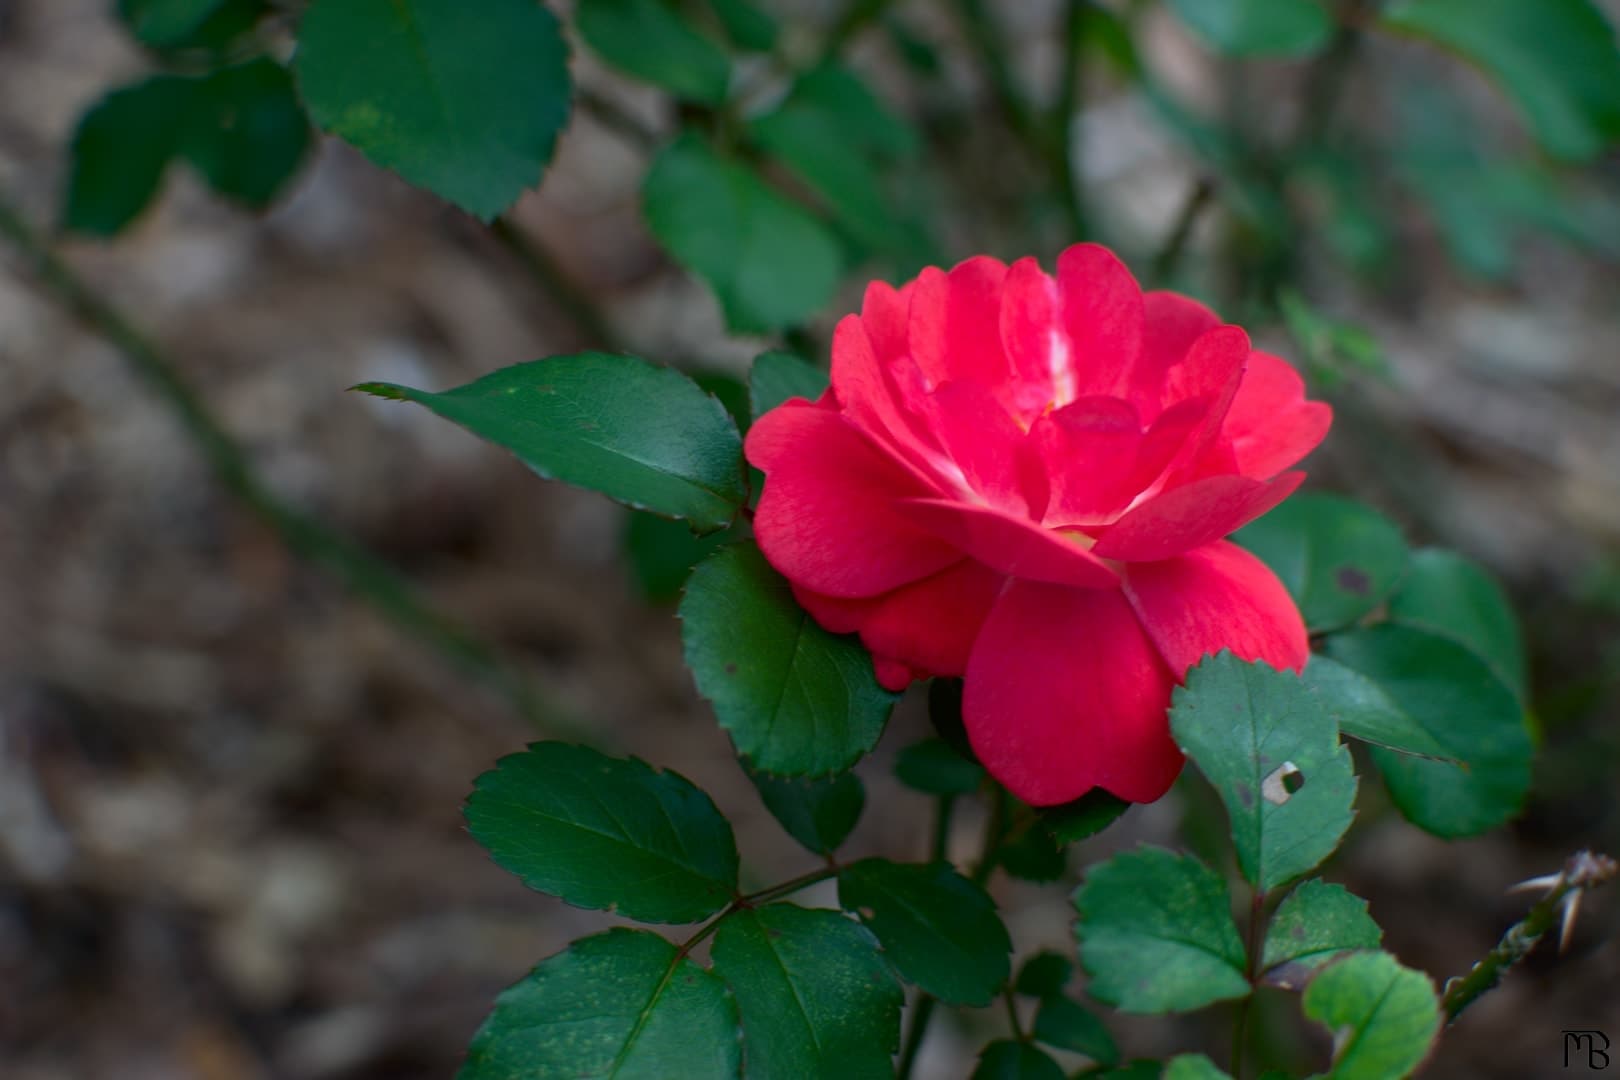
x=366, y=576
x=1584, y=871
x=753, y=899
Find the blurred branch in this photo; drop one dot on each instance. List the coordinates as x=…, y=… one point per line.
x=359, y=570
x=1560, y=904
x=1166, y=262
x=854, y=19
x=1064, y=117
x=538, y=262
x=611, y=115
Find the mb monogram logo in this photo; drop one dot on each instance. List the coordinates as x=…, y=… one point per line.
x=1589, y=1048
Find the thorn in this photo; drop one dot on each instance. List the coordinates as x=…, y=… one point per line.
x=1544, y=882
x=1571, y=908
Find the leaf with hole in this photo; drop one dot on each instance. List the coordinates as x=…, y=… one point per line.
x=938, y=929
x=624, y=1003
x=815, y=996
x=642, y=434
x=606, y=833
x=464, y=100
x=1275, y=758
x=796, y=700
x=1156, y=933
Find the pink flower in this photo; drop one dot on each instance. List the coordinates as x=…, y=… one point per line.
x=1026, y=482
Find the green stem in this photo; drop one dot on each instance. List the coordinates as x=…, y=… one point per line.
x=921, y=1013
x=994, y=827
x=943, y=812
x=1012, y=1013
x=1166, y=262
x=358, y=569
x=1251, y=972
x=1584, y=871
x=776, y=892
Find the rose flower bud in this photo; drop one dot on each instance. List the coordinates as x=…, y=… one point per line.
x=1026, y=481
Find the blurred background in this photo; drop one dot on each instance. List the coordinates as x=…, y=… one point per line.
x=233, y=749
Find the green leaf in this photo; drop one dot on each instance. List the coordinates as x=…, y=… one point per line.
x=120, y=152
x=464, y=100
x=796, y=699
x=662, y=552
x=1065, y=1025
x=1031, y=853
x=819, y=814
x=245, y=131
x=606, y=833
x=647, y=39
x=815, y=995
x=1556, y=58
x=938, y=929
x=1258, y=27
x=932, y=766
x=1314, y=924
x=771, y=262
x=1436, y=684
x=164, y=24
x=1086, y=816
x=1194, y=1067
x=1337, y=558
x=1276, y=760
x=1008, y=1059
x=1044, y=975
x=869, y=123
x=778, y=376
x=746, y=24
x=638, y=433
x=1448, y=595
x=945, y=714
x=1332, y=349
x=623, y=1004
x=1384, y=1017
x=1363, y=711
x=1156, y=933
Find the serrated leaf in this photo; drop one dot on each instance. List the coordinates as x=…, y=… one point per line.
x=1086, y=816
x=815, y=996
x=1156, y=933
x=938, y=929
x=606, y=833
x=1556, y=58
x=1044, y=975
x=1384, y=1017
x=642, y=434
x=934, y=767
x=1337, y=558
x=1009, y=1059
x=650, y=40
x=770, y=261
x=623, y=1004
x=1194, y=1067
x=1065, y=1025
x=1446, y=594
x=817, y=813
x=1434, y=683
x=1275, y=758
x=1314, y=924
x=1258, y=27
x=464, y=100
x=778, y=376
x=797, y=700
x=746, y=24
x=245, y=131
x=1363, y=711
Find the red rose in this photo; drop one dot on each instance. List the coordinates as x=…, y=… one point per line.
x=1026, y=482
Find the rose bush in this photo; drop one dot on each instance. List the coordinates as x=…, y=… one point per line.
x=1026, y=480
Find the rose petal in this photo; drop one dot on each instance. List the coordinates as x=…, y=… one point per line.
x=1009, y=544
x=885, y=311
x=874, y=403
x=827, y=518
x=1103, y=314
x=1191, y=516
x=1036, y=343
x=955, y=328
x=1090, y=448
x=1064, y=692
x=982, y=440
x=1270, y=424
x=931, y=624
x=892, y=674
x=836, y=614
x=1172, y=324
x=1217, y=597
